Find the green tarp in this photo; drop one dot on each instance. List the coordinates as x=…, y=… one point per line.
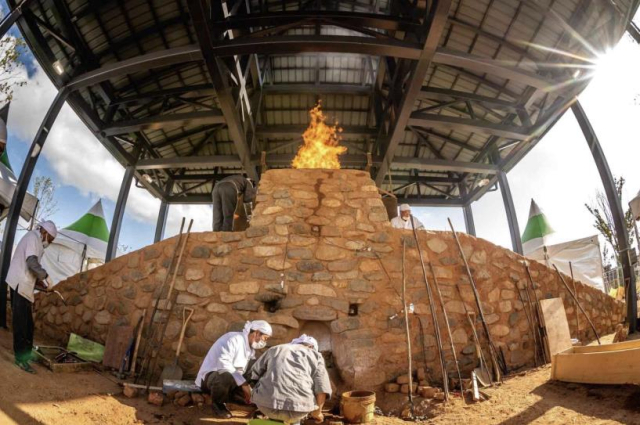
x=85, y=349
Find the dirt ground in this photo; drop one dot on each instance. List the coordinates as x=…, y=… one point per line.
x=90, y=398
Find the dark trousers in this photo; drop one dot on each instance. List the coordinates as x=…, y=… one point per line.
x=225, y=200
x=221, y=386
x=22, y=323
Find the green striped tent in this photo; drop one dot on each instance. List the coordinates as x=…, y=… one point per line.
x=85, y=239
x=537, y=231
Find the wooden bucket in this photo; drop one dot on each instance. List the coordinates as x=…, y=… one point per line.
x=357, y=407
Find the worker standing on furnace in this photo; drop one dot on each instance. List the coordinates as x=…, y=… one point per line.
x=225, y=196
x=25, y=275
x=403, y=221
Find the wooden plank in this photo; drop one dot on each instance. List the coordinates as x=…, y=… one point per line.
x=118, y=340
x=554, y=320
x=609, y=367
x=618, y=346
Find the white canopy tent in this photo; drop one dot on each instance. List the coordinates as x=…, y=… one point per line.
x=583, y=254
x=78, y=246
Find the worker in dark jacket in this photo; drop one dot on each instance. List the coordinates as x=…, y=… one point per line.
x=225, y=200
x=25, y=275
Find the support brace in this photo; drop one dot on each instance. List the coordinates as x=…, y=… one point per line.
x=118, y=214
x=18, y=197
x=616, y=211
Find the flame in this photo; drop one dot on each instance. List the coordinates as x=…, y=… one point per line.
x=321, y=144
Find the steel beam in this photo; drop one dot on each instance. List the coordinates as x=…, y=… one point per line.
x=435, y=24
x=444, y=165
x=19, y=192
x=301, y=88
x=11, y=17
x=209, y=161
x=354, y=19
x=118, y=214
x=447, y=94
x=475, y=126
x=162, y=222
x=469, y=224
x=200, y=15
x=617, y=213
x=164, y=121
x=200, y=90
x=634, y=31
x=425, y=201
x=484, y=65
x=510, y=209
x=297, y=130
x=162, y=58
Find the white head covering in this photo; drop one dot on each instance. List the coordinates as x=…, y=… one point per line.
x=405, y=207
x=49, y=227
x=307, y=340
x=258, y=325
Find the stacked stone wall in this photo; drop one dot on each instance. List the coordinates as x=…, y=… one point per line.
x=319, y=248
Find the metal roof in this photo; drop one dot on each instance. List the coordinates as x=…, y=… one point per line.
x=433, y=97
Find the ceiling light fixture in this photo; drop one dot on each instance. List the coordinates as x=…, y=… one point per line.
x=57, y=66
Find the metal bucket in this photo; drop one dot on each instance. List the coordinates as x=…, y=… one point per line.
x=357, y=407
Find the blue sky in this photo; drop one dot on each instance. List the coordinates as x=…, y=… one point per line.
x=559, y=173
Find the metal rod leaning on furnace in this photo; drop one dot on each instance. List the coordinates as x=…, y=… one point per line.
x=446, y=321
x=153, y=356
x=578, y=304
x=492, y=347
x=406, y=327
x=432, y=307
x=151, y=329
x=543, y=349
x=575, y=291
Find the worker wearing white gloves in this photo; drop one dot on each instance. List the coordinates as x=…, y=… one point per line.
x=292, y=381
x=25, y=275
x=403, y=221
x=222, y=371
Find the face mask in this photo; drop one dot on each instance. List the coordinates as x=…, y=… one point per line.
x=258, y=345
x=45, y=243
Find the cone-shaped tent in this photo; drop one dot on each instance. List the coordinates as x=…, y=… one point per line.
x=537, y=231
x=8, y=179
x=84, y=239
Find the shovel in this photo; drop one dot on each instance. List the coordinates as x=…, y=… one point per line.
x=173, y=371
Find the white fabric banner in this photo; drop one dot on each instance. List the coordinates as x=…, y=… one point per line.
x=584, y=255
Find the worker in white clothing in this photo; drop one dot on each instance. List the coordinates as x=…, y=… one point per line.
x=222, y=371
x=24, y=276
x=403, y=221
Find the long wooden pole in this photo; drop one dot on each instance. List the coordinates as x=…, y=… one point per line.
x=537, y=312
x=492, y=347
x=531, y=326
x=446, y=321
x=575, y=290
x=406, y=327
x=432, y=307
x=578, y=304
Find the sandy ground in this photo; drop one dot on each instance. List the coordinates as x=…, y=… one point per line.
x=90, y=398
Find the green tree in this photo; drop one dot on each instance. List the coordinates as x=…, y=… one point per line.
x=10, y=49
x=603, y=221
x=45, y=191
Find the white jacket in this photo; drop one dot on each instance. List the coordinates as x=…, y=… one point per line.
x=230, y=353
x=399, y=223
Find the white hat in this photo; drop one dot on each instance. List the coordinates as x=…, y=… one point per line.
x=306, y=340
x=405, y=207
x=260, y=326
x=49, y=227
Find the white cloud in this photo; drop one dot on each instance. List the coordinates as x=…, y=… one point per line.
x=80, y=161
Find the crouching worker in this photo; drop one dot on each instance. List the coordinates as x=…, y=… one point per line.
x=292, y=381
x=222, y=371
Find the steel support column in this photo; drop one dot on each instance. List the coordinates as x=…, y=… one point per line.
x=118, y=214
x=12, y=17
x=13, y=217
x=469, y=224
x=616, y=211
x=162, y=221
x=510, y=209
